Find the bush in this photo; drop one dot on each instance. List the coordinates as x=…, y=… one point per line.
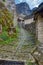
x=3, y=0
x=29, y=63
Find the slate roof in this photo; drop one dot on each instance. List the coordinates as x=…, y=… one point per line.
x=39, y=9
x=28, y=17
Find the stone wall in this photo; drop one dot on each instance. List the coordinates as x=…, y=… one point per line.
x=40, y=29
x=10, y=4
x=31, y=27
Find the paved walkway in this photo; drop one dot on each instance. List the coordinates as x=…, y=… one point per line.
x=22, y=51
x=25, y=39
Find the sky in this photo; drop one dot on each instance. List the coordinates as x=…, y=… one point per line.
x=31, y=3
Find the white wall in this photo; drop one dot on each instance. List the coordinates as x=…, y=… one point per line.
x=28, y=21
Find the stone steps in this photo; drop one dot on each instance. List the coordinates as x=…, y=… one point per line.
x=38, y=54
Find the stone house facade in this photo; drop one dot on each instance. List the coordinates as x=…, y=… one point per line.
x=38, y=18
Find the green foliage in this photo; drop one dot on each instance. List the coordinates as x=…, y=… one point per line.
x=6, y=19
x=7, y=39
x=5, y=15
x=4, y=36
x=3, y=0
x=29, y=64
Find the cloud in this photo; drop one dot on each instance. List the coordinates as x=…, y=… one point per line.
x=37, y=2
x=19, y=1
x=32, y=3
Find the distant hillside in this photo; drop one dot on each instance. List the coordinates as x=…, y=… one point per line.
x=23, y=8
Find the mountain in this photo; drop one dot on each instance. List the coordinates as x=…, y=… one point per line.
x=23, y=8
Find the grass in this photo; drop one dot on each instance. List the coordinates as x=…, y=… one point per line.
x=29, y=63
x=29, y=45
x=8, y=39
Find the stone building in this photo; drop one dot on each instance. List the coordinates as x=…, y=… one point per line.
x=38, y=18
x=29, y=23
x=28, y=19
x=10, y=4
